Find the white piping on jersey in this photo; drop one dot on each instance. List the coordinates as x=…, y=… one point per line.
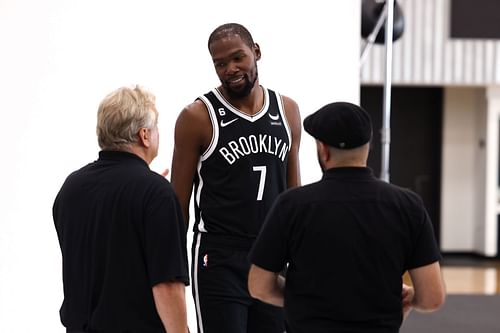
x=215, y=129
x=281, y=107
x=206, y=154
x=195, y=278
x=243, y=115
x=201, y=224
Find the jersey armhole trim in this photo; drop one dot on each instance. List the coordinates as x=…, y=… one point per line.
x=281, y=107
x=215, y=129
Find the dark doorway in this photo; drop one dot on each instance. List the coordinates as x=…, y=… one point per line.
x=416, y=139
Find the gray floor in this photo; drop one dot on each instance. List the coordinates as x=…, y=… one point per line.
x=460, y=314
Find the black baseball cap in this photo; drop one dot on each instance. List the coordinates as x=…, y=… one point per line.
x=341, y=125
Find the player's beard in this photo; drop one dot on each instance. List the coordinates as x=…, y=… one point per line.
x=243, y=92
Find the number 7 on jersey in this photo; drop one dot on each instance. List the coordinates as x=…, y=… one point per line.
x=262, y=182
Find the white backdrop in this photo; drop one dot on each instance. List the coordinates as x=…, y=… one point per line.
x=59, y=58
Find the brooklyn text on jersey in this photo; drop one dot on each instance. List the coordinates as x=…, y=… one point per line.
x=253, y=144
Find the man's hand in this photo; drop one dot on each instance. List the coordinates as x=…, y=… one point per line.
x=407, y=295
x=165, y=173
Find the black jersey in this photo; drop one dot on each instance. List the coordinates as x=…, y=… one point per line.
x=244, y=168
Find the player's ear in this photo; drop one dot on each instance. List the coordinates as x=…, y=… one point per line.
x=256, y=50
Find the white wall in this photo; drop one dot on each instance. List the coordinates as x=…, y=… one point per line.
x=463, y=168
x=481, y=155
x=469, y=195
x=59, y=58
x=487, y=231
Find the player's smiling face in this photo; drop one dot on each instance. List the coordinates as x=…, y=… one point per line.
x=236, y=65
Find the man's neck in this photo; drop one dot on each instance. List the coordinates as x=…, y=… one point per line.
x=139, y=152
x=345, y=164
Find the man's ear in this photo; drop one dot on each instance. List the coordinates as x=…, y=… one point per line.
x=256, y=49
x=323, y=151
x=144, y=137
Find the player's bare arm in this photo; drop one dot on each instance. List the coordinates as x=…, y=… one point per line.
x=293, y=116
x=193, y=132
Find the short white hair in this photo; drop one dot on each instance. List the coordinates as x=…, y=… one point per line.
x=121, y=115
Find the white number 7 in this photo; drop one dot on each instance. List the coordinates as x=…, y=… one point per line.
x=262, y=182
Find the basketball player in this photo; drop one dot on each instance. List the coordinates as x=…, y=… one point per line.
x=238, y=146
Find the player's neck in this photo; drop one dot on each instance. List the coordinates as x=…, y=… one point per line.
x=250, y=104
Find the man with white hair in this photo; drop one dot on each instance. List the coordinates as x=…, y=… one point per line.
x=121, y=229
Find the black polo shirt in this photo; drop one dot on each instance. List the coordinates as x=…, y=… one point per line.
x=121, y=232
x=348, y=240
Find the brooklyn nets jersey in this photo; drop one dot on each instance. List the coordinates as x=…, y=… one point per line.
x=244, y=168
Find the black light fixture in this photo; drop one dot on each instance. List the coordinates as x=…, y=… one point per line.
x=371, y=12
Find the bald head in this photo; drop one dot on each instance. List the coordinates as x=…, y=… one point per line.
x=332, y=157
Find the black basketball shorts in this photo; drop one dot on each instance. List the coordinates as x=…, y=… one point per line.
x=220, y=275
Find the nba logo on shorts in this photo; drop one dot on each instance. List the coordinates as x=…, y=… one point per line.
x=205, y=260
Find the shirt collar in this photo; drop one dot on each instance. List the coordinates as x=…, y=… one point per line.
x=360, y=173
x=113, y=155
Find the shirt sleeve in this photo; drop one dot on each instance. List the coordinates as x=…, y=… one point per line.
x=425, y=247
x=270, y=248
x=165, y=237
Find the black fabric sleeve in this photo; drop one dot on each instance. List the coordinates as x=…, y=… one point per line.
x=425, y=247
x=165, y=237
x=270, y=248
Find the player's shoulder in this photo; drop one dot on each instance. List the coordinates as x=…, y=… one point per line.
x=285, y=98
x=194, y=109
x=289, y=104
x=291, y=109
x=193, y=114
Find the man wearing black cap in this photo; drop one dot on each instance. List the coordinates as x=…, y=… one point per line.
x=347, y=240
